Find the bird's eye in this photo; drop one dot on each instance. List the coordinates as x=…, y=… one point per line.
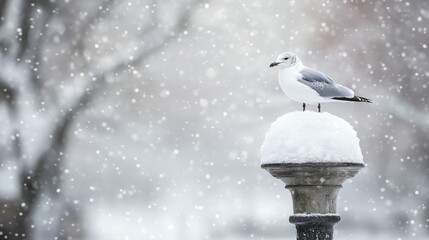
x=286, y=58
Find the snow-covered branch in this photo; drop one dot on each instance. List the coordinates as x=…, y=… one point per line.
x=134, y=53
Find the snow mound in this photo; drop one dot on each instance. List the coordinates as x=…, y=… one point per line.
x=302, y=137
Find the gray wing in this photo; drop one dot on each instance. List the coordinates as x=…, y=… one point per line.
x=323, y=84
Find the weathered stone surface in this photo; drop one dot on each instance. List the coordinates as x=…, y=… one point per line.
x=314, y=188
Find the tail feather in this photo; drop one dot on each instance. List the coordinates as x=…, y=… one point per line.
x=353, y=99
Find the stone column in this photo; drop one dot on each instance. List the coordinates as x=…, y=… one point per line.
x=314, y=188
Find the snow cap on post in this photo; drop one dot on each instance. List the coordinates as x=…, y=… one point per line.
x=311, y=137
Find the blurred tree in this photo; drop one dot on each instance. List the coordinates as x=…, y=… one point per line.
x=40, y=41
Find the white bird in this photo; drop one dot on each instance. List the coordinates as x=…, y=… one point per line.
x=306, y=85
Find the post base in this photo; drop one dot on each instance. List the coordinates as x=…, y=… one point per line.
x=310, y=227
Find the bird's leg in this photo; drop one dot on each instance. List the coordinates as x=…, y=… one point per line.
x=303, y=107
x=318, y=107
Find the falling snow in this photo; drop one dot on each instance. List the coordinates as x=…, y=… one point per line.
x=144, y=119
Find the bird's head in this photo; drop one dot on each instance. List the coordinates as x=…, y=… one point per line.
x=286, y=60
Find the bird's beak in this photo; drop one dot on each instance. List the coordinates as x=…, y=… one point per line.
x=274, y=64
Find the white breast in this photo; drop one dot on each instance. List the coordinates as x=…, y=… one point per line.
x=288, y=80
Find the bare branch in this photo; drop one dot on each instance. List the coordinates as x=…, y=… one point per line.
x=12, y=22
x=2, y=7
x=102, y=12
x=159, y=37
x=33, y=42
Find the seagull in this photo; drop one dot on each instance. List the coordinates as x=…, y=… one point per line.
x=306, y=85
